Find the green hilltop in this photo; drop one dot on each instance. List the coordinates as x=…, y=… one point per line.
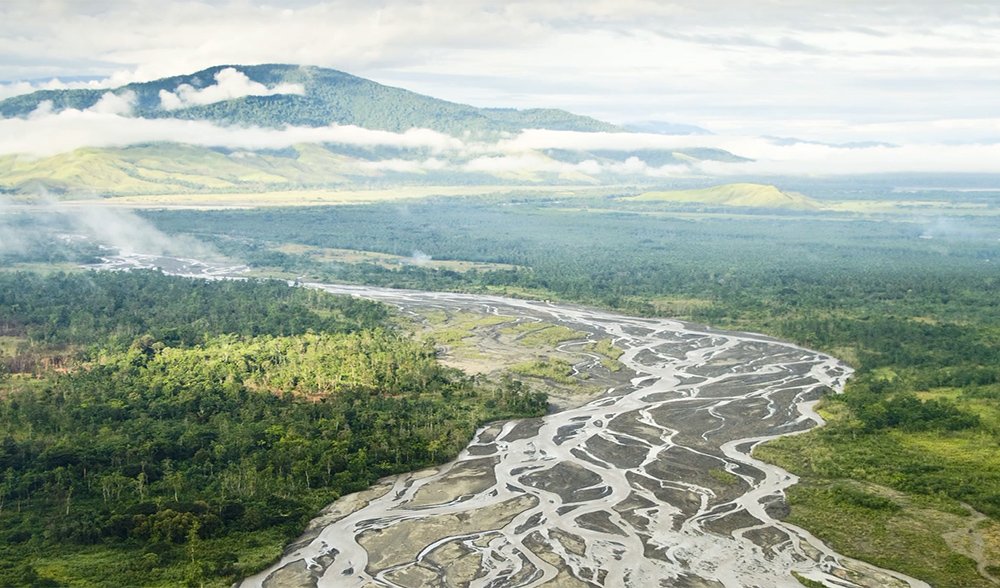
x=330, y=97
x=741, y=195
x=327, y=97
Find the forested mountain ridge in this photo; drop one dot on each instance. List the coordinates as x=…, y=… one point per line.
x=279, y=127
x=328, y=96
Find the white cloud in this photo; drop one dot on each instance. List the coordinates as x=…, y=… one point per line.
x=532, y=139
x=769, y=157
x=107, y=124
x=531, y=162
x=404, y=165
x=769, y=70
x=824, y=160
x=15, y=89
x=230, y=83
x=44, y=109
x=170, y=101
x=46, y=133
x=119, y=78
x=111, y=103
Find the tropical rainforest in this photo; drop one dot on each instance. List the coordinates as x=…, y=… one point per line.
x=908, y=299
x=201, y=424
x=160, y=430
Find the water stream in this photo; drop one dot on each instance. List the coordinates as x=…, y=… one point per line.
x=651, y=484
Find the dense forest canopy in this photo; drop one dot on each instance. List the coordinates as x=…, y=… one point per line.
x=200, y=424
x=906, y=299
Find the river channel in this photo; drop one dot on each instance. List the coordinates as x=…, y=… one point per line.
x=650, y=484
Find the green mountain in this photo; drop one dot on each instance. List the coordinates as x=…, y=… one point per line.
x=278, y=96
x=736, y=195
x=330, y=96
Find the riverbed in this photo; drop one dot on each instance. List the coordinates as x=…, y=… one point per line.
x=650, y=484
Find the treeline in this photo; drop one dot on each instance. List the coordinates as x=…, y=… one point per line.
x=875, y=287
x=115, y=308
x=178, y=460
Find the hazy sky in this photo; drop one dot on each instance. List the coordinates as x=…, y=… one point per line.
x=834, y=70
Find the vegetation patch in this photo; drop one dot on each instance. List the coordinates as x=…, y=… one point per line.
x=914, y=480
x=541, y=335
x=724, y=477
x=556, y=370
x=608, y=352
x=735, y=195
x=330, y=255
x=807, y=582
x=905, y=537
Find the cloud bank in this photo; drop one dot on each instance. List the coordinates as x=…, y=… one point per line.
x=45, y=133
x=109, y=124
x=230, y=84
x=782, y=68
x=106, y=124
x=43, y=223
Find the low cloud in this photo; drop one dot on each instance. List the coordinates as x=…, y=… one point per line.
x=824, y=160
x=111, y=103
x=533, y=162
x=230, y=84
x=533, y=139
x=45, y=133
x=108, y=124
x=420, y=258
x=408, y=166
x=770, y=156
x=12, y=89
x=115, y=80
x=39, y=221
x=15, y=89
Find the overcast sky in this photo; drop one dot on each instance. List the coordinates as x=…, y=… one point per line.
x=835, y=70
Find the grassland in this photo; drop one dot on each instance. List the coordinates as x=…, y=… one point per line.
x=328, y=196
x=862, y=492
x=500, y=345
x=608, y=352
x=388, y=261
x=741, y=195
x=541, y=334
x=459, y=329
x=556, y=370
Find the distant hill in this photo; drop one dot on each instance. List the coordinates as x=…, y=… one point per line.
x=280, y=96
x=171, y=168
x=661, y=127
x=735, y=195
x=329, y=97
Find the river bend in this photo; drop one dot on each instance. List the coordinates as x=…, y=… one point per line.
x=651, y=484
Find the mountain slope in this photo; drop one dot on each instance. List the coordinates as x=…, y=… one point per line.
x=285, y=127
x=742, y=195
x=172, y=168
x=329, y=97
